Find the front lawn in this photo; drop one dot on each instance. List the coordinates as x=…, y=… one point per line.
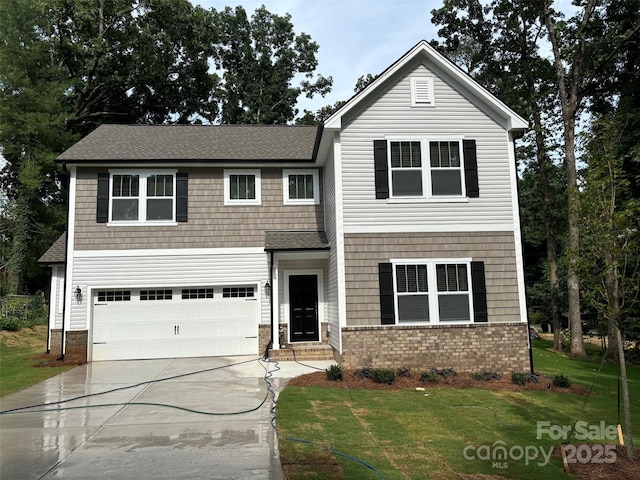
x=445, y=432
x=20, y=365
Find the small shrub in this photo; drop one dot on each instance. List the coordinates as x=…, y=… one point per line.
x=561, y=380
x=519, y=378
x=445, y=372
x=383, y=375
x=10, y=324
x=428, y=376
x=403, y=372
x=485, y=376
x=365, y=371
x=334, y=373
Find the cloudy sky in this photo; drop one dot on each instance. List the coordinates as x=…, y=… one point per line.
x=356, y=37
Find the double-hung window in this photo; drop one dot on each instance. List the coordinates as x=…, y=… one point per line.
x=242, y=187
x=425, y=168
x=301, y=187
x=142, y=197
x=446, y=168
x=432, y=291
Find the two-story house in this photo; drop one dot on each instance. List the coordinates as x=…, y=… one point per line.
x=389, y=235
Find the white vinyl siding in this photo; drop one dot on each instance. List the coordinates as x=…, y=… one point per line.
x=333, y=290
x=391, y=116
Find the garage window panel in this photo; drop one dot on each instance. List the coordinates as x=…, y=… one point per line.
x=114, y=295
x=238, y=292
x=156, y=295
x=196, y=293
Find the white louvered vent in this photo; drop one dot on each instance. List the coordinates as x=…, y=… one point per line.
x=422, y=91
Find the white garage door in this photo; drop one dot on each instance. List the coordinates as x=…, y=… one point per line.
x=174, y=322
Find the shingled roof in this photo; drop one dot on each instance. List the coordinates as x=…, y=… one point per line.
x=56, y=252
x=302, y=240
x=195, y=142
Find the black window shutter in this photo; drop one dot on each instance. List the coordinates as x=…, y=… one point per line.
x=479, y=292
x=381, y=174
x=387, y=311
x=470, y=168
x=182, y=196
x=102, y=210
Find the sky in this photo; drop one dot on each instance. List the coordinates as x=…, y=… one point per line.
x=355, y=37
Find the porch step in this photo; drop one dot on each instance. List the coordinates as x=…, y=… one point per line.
x=302, y=352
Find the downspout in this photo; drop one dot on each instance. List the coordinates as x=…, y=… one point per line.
x=49, y=317
x=270, y=345
x=66, y=249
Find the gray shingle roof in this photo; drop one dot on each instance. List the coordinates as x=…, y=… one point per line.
x=56, y=252
x=195, y=142
x=305, y=240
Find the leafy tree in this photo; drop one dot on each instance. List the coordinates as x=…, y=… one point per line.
x=32, y=132
x=261, y=59
x=67, y=66
x=611, y=238
x=310, y=118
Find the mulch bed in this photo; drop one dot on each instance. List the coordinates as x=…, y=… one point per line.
x=461, y=380
x=622, y=469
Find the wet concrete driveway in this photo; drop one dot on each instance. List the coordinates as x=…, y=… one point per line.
x=160, y=420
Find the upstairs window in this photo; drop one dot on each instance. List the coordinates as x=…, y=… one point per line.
x=446, y=168
x=424, y=168
x=301, y=187
x=242, y=187
x=406, y=169
x=142, y=197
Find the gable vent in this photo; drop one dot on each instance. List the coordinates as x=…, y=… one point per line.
x=422, y=91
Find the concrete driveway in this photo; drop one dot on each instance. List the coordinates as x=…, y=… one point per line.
x=134, y=432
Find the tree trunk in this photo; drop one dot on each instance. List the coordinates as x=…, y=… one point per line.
x=628, y=434
x=570, y=102
x=573, y=281
x=552, y=252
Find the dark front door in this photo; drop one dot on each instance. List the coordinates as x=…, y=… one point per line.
x=303, y=304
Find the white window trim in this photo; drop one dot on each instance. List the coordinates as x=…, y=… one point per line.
x=142, y=198
x=416, y=101
x=303, y=201
x=432, y=284
x=227, y=187
x=427, y=188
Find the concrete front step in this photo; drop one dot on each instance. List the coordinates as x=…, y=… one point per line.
x=302, y=352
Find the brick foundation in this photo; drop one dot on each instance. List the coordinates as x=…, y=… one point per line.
x=55, y=339
x=264, y=335
x=500, y=347
x=75, y=347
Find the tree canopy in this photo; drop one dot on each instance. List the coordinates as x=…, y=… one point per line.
x=67, y=66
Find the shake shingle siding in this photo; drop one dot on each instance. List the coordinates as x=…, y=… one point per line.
x=211, y=224
x=363, y=253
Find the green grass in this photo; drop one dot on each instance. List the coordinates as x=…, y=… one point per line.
x=18, y=365
x=405, y=434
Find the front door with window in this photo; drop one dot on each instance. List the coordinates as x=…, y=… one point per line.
x=303, y=305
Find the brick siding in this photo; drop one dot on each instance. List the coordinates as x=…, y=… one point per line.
x=499, y=347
